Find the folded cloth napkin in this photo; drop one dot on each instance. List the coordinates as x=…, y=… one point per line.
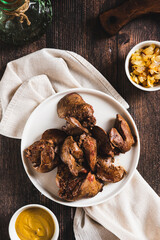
x=134, y=213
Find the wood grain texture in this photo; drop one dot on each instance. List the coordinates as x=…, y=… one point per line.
x=76, y=28
x=114, y=19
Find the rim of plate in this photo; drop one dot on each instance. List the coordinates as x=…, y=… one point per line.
x=79, y=91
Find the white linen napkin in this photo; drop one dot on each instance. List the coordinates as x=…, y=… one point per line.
x=134, y=213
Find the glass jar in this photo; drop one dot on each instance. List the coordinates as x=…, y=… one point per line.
x=23, y=21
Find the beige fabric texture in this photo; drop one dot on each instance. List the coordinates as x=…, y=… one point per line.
x=132, y=215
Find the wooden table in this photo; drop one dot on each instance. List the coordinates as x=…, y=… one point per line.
x=76, y=27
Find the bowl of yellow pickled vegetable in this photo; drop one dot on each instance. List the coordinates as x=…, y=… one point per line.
x=142, y=65
x=33, y=221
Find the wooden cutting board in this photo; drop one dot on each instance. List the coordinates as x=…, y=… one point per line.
x=114, y=19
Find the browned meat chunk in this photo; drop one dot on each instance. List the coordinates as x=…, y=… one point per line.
x=103, y=143
x=49, y=160
x=116, y=139
x=71, y=154
x=73, y=127
x=119, y=139
x=42, y=156
x=89, y=146
x=108, y=172
x=56, y=135
x=123, y=128
x=68, y=184
x=72, y=188
x=90, y=187
x=73, y=105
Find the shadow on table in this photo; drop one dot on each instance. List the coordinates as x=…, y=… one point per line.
x=95, y=28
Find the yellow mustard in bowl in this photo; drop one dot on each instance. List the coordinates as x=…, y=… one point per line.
x=35, y=224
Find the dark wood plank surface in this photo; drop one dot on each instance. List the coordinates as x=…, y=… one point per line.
x=76, y=27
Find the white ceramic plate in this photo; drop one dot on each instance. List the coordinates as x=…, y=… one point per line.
x=45, y=117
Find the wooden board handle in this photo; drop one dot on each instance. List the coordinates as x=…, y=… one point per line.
x=114, y=19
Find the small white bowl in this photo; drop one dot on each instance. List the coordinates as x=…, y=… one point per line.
x=135, y=48
x=12, y=231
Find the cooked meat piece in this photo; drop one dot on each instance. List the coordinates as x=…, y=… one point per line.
x=108, y=172
x=73, y=105
x=49, y=160
x=90, y=187
x=80, y=139
x=106, y=161
x=64, y=105
x=119, y=139
x=33, y=152
x=73, y=127
x=116, y=139
x=72, y=188
x=56, y=135
x=68, y=184
x=42, y=156
x=89, y=145
x=70, y=153
x=104, y=146
x=123, y=128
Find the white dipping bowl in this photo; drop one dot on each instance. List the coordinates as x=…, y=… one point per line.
x=135, y=48
x=12, y=231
